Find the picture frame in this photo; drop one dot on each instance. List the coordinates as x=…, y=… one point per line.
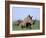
x=8, y=18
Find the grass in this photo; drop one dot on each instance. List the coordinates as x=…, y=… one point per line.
x=36, y=26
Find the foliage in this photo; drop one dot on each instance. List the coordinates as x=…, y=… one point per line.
x=36, y=26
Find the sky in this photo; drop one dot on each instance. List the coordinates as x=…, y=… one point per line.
x=21, y=12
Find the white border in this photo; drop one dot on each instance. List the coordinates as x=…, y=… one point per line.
x=25, y=31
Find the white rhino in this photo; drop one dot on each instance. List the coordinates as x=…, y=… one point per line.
x=26, y=20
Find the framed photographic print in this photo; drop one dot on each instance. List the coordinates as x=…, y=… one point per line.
x=24, y=18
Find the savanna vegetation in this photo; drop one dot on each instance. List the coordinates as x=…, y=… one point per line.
x=35, y=26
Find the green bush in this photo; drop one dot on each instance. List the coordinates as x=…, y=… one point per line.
x=33, y=27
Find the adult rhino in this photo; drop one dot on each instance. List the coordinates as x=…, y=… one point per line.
x=27, y=22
